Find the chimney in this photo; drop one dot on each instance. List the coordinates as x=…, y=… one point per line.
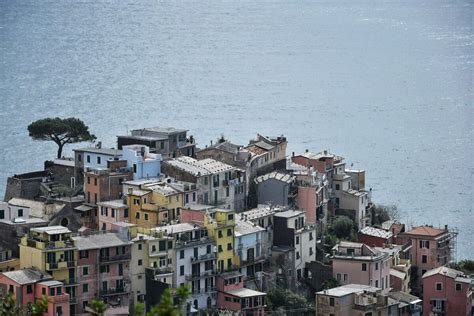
x=306, y=150
x=325, y=152
x=292, y=154
x=445, y=227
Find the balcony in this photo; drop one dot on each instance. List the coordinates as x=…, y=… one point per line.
x=60, y=265
x=193, y=242
x=59, y=298
x=70, y=282
x=196, y=276
x=50, y=245
x=73, y=300
x=116, y=291
x=122, y=257
x=205, y=257
x=252, y=260
x=160, y=271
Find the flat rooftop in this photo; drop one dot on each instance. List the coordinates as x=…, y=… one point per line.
x=348, y=289
x=101, y=240
x=288, y=213
x=102, y=151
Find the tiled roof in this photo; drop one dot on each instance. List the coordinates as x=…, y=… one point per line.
x=280, y=176
x=27, y=276
x=426, y=231
x=376, y=232
x=452, y=273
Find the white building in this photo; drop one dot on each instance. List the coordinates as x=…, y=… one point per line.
x=194, y=262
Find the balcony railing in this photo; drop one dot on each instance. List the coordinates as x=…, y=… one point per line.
x=188, y=243
x=49, y=245
x=200, y=275
x=205, y=257
x=119, y=290
x=121, y=257
x=60, y=265
x=72, y=300
x=60, y=298
x=251, y=260
x=158, y=271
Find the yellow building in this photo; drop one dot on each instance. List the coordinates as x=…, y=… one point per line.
x=52, y=250
x=220, y=225
x=154, y=204
x=7, y=262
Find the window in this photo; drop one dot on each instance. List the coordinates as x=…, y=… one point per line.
x=83, y=254
x=125, y=212
x=376, y=266
x=85, y=304
x=364, y=267
x=20, y=212
x=331, y=301
x=79, y=157
x=43, y=290
x=181, y=254
x=29, y=289
x=424, y=259
x=425, y=244
x=105, y=269
x=376, y=283
x=227, y=192
x=230, y=217
x=298, y=274
x=140, y=246
x=88, y=158
x=229, y=246
x=439, y=286
x=85, y=288
x=59, y=310
x=85, y=270
x=140, y=262
x=338, y=187
x=310, y=251
x=297, y=255
x=112, y=211
x=345, y=276
x=310, y=236
x=146, y=216
x=134, y=168
x=98, y=160
x=51, y=291
x=219, y=234
x=95, y=181
x=2, y=214
x=229, y=232
x=181, y=270
x=120, y=269
x=338, y=277
x=137, y=215
x=297, y=240
x=458, y=287
x=220, y=248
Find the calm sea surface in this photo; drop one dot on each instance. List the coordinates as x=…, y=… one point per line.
x=386, y=84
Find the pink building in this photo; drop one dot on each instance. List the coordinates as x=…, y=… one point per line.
x=431, y=248
x=103, y=270
x=446, y=292
x=233, y=296
x=112, y=212
x=29, y=285
x=356, y=263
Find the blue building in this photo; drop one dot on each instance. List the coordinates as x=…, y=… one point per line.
x=143, y=163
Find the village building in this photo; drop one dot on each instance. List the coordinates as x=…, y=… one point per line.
x=29, y=285
x=218, y=184
x=276, y=188
x=431, y=248
x=446, y=292
x=169, y=142
x=357, y=263
x=355, y=299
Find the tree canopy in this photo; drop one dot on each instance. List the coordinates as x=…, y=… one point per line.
x=61, y=131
